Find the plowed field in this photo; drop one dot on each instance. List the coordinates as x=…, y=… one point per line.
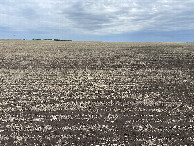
x=96, y=93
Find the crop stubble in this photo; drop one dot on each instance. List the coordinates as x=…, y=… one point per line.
x=82, y=93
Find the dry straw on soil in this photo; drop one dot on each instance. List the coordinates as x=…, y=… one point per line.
x=82, y=93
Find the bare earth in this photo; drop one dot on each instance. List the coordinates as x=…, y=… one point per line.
x=84, y=93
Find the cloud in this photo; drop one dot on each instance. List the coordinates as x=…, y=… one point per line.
x=98, y=17
x=115, y=17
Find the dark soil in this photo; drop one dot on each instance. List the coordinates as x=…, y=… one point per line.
x=84, y=93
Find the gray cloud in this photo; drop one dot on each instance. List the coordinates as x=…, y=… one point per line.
x=87, y=20
x=101, y=16
x=97, y=17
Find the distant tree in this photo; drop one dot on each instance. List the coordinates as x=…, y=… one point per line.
x=61, y=40
x=47, y=39
x=36, y=39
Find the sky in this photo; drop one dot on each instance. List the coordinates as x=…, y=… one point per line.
x=98, y=20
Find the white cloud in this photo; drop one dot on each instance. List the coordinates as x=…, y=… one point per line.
x=97, y=17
